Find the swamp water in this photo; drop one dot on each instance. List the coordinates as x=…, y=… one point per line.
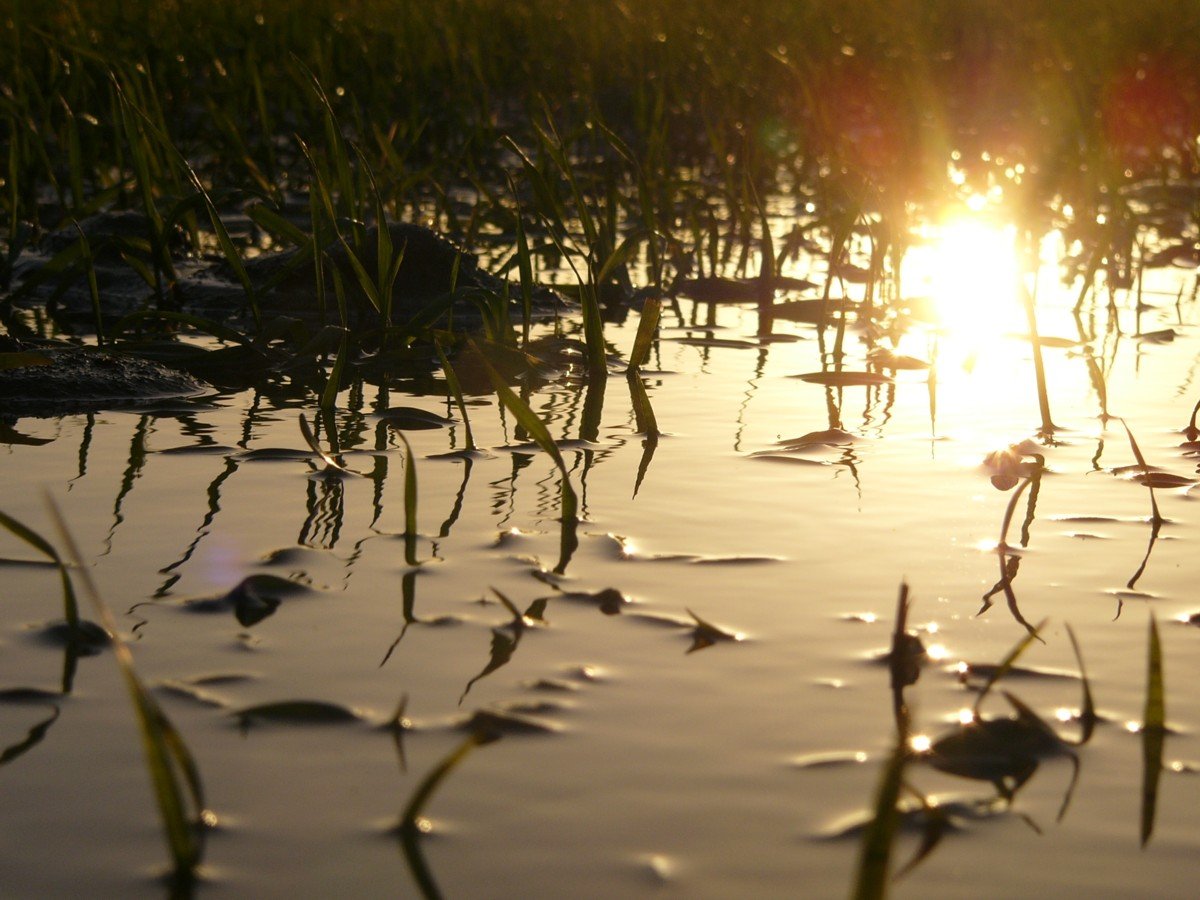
x=716, y=724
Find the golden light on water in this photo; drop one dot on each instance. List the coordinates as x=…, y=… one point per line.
x=967, y=265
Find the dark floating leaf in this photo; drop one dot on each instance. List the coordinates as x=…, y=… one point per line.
x=277, y=453
x=610, y=601
x=768, y=456
x=889, y=359
x=498, y=722
x=716, y=289
x=1164, y=480
x=845, y=379
x=411, y=418
x=192, y=692
x=705, y=634
x=253, y=599
x=1165, y=336
x=831, y=437
x=298, y=712
x=809, y=311
x=89, y=640
x=1003, y=751
x=719, y=343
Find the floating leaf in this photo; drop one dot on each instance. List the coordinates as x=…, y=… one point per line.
x=844, y=379
x=298, y=712
x=1162, y=480
x=411, y=418
x=888, y=359
x=705, y=634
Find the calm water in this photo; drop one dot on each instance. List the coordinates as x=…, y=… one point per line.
x=736, y=770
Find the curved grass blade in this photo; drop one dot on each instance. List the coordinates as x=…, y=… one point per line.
x=410, y=503
x=35, y=540
x=329, y=395
x=1007, y=663
x=173, y=772
x=1154, y=727
x=647, y=326
x=1087, y=715
x=875, y=855
x=413, y=824
x=456, y=391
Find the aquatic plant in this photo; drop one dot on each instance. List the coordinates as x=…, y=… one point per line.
x=173, y=772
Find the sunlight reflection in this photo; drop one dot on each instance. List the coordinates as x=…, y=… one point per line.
x=969, y=269
x=920, y=743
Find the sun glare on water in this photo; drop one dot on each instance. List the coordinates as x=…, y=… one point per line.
x=967, y=267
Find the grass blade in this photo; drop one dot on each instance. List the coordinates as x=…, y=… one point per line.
x=537, y=430
x=1154, y=727
x=168, y=760
x=647, y=327
x=456, y=391
x=1008, y=662
x=413, y=824
x=875, y=855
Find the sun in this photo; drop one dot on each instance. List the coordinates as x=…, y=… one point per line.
x=968, y=267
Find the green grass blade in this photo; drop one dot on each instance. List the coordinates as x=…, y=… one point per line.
x=875, y=854
x=525, y=416
x=643, y=412
x=1154, y=727
x=39, y=543
x=333, y=384
x=1087, y=714
x=455, y=391
x=412, y=824
x=647, y=328
x=410, y=488
x=181, y=805
x=1008, y=662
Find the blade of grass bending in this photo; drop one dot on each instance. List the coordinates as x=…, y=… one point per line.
x=410, y=502
x=35, y=540
x=529, y=420
x=1141, y=461
x=643, y=413
x=647, y=327
x=456, y=392
x=1087, y=715
x=411, y=824
x=1154, y=726
x=89, y=268
x=332, y=385
x=181, y=805
x=875, y=855
x=525, y=269
x=537, y=430
x=1007, y=663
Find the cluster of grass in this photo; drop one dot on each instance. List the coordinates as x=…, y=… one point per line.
x=598, y=134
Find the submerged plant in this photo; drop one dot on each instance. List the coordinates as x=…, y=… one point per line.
x=174, y=775
x=529, y=420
